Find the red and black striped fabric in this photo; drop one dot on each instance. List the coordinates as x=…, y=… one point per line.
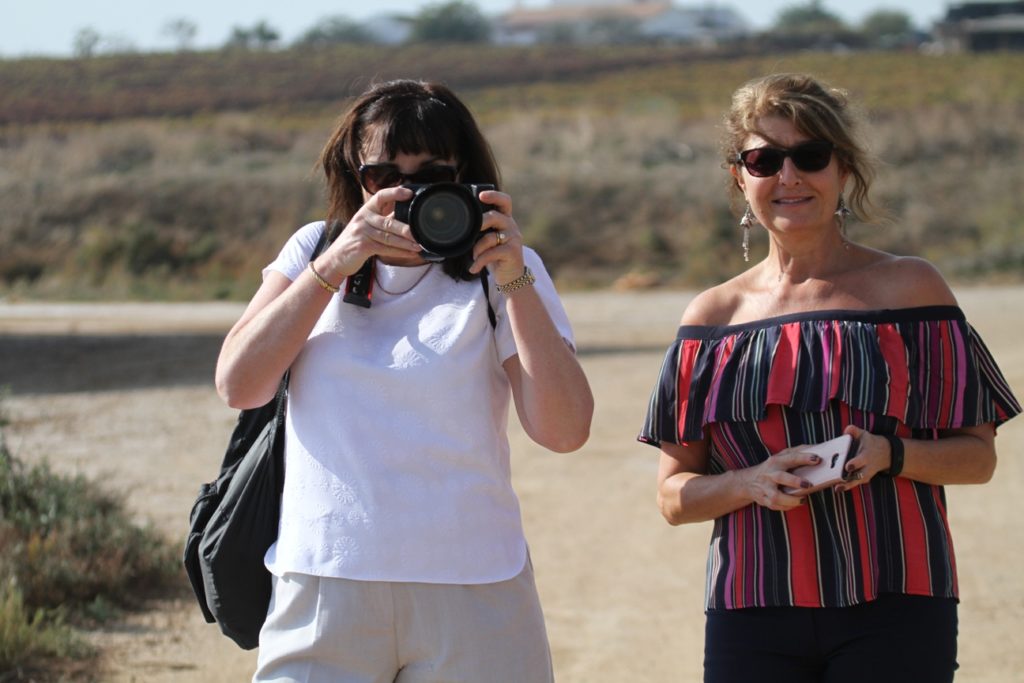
x=758, y=388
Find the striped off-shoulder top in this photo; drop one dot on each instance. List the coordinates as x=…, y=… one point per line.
x=757, y=388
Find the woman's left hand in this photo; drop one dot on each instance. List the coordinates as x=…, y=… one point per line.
x=872, y=456
x=501, y=247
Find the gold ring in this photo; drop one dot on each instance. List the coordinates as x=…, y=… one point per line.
x=858, y=475
x=502, y=237
x=387, y=236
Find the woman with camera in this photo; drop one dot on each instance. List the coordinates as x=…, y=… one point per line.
x=822, y=337
x=401, y=553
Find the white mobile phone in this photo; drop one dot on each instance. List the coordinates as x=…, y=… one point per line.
x=831, y=470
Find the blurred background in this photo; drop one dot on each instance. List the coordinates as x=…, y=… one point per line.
x=147, y=153
x=151, y=153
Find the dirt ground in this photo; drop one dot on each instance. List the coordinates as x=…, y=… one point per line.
x=124, y=393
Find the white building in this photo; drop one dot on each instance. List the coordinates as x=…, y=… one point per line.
x=592, y=20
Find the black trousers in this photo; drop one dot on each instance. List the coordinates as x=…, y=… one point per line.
x=895, y=639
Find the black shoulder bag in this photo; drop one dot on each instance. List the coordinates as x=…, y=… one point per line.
x=234, y=521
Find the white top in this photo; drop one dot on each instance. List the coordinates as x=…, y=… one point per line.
x=396, y=455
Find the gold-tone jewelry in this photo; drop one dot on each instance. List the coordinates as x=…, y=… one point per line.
x=524, y=280
x=387, y=236
x=407, y=289
x=502, y=237
x=321, y=281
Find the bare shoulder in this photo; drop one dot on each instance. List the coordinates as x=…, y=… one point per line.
x=714, y=306
x=910, y=281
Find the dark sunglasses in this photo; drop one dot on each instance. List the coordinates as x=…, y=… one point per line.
x=376, y=177
x=763, y=162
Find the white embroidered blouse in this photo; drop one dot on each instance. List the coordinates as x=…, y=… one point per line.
x=397, y=460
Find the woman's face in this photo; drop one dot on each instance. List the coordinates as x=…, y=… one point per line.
x=381, y=171
x=793, y=200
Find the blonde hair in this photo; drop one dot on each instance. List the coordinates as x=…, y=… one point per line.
x=818, y=111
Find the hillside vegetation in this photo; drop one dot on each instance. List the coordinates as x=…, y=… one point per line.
x=179, y=176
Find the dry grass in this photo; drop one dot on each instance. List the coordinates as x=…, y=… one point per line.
x=614, y=173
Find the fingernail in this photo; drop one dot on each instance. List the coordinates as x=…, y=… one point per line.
x=804, y=484
x=815, y=459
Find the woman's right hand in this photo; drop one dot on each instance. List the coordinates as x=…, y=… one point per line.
x=764, y=483
x=373, y=231
x=687, y=493
x=264, y=342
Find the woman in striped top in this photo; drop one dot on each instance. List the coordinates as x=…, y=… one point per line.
x=821, y=338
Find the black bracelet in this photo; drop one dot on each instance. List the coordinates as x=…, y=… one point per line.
x=896, y=455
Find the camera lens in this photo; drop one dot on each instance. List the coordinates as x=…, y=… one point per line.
x=444, y=218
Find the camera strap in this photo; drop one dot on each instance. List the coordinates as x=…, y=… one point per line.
x=359, y=289
x=359, y=285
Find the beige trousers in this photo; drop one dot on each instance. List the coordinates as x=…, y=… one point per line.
x=321, y=630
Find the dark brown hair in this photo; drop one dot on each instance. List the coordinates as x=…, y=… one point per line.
x=409, y=117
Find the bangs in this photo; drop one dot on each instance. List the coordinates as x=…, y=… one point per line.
x=411, y=125
x=807, y=115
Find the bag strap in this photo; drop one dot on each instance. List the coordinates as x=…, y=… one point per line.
x=487, y=298
x=320, y=244
x=282, y=389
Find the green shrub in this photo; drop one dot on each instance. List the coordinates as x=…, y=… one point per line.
x=67, y=542
x=69, y=553
x=32, y=639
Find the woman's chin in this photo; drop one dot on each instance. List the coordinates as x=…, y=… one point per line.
x=402, y=261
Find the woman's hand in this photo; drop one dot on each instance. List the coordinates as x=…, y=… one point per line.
x=501, y=247
x=373, y=231
x=873, y=456
x=764, y=483
x=687, y=493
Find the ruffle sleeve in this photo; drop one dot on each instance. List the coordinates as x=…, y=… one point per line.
x=926, y=367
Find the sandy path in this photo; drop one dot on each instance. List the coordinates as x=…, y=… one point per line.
x=124, y=394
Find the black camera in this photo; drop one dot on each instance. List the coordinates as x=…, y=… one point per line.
x=445, y=218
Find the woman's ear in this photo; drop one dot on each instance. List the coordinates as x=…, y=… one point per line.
x=737, y=177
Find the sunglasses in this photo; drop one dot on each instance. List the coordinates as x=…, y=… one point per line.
x=376, y=177
x=763, y=162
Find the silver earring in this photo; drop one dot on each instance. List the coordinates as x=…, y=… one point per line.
x=745, y=222
x=841, y=213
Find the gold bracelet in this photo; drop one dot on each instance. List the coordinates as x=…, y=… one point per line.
x=321, y=281
x=524, y=280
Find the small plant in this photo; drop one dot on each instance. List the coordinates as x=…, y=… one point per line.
x=29, y=639
x=67, y=542
x=69, y=554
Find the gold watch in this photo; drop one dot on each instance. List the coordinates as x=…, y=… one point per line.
x=524, y=280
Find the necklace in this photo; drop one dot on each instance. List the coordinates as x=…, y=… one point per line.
x=376, y=277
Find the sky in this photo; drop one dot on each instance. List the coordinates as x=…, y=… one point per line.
x=48, y=27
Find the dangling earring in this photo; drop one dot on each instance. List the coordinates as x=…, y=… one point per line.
x=841, y=213
x=745, y=222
